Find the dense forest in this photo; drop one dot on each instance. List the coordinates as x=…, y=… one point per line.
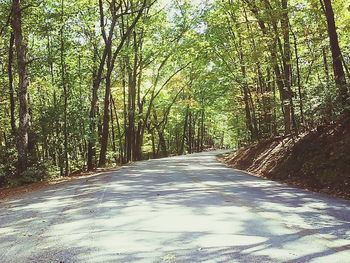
x=95, y=83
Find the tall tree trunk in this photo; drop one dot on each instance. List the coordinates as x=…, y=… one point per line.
x=105, y=125
x=11, y=89
x=246, y=97
x=338, y=69
x=56, y=151
x=65, y=94
x=125, y=115
x=132, y=73
x=91, y=151
x=114, y=147
x=106, y=111
x=21, y=50
x=272, y=44
x=133, y=94
x=288, y=100
x=271, y=109
x=255, y=124
x=300, y=93
x=97, y=79
x=248, y=116
x=131, y=114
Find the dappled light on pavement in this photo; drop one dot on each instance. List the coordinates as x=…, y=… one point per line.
x=180, y=209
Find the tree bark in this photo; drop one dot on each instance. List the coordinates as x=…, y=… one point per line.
x=286, y=55
x=112, y=56
x=97, y=79
x=11, y=88
x=284, y=94
x=113, y=131
x=300, y=93
x=106, y=111
x=65, y=94
x=182, y=146
x=338, y=69
x=120, y=137
x=21, y=50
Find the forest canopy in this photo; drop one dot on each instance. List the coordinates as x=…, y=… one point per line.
x=95, y=83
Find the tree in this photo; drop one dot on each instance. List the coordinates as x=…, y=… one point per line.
x=126, y=31
x=21, y=51
x=339, y=74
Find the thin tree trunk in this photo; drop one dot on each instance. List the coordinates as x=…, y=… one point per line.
x=300, y=93
x=125, y=115
x=245, y=89
x=254, y=121
x=325, y=64
x=248, y=116
x=65, y=94
x=120, y=139
x=189, y=138
x=154, y=154
x=202, y=130
x=113, y=132
x=182, y=146
x=131, y=114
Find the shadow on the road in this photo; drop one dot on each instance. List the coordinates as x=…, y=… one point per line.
x=174, y=210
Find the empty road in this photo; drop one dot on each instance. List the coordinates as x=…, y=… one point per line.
x=180, y=209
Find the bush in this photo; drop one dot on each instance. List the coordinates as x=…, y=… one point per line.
x=37, y=172
x=8, y=159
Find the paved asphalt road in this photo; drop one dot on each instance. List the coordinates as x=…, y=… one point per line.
x=180, y=209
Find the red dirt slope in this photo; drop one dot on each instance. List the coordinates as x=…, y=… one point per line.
x=318, y=160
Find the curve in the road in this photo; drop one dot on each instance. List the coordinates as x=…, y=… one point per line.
x=181, y=209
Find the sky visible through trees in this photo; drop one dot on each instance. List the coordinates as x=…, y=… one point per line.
x=93, y=83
